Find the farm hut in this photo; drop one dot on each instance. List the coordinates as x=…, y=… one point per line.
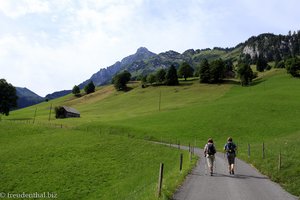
x=66, y=112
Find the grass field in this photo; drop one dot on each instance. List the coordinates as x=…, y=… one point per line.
x=268, y=111
x=77, y=164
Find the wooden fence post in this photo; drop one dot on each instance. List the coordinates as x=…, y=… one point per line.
x=160, y=179
x=181, y=160
x=263, y=150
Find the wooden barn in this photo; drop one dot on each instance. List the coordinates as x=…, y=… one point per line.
x=66, y=112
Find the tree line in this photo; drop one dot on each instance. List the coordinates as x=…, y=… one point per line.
x=208, y=72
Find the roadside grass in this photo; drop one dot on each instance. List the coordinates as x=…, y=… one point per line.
x=77, y=164
x=287, y=146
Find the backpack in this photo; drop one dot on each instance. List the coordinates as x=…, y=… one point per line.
x=211, y=150
x=230, y=148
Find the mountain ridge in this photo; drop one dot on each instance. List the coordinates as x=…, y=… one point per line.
x=142, y=62
x=27, y=98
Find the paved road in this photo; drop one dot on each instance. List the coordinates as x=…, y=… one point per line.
x=246, y=184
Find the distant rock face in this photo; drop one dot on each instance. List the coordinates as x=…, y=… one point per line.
x=252, y=51
x=272, y=47
x=27, y=98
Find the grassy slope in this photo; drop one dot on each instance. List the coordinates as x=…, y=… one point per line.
x=78, y=164
x=267, y=111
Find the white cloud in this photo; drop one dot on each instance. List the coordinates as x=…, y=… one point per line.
x=18, y=8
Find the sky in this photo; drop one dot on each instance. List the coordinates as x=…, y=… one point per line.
x=52, y=45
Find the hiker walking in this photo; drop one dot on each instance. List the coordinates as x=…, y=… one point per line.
x=209, y=153
x=230, y=149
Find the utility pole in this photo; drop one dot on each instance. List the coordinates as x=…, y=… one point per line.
x=50, y=112
x=34, y=115
x=159, y=100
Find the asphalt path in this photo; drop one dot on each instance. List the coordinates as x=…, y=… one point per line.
x=246, y=184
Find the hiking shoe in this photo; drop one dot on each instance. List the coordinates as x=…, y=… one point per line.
x=229, y=172
x=211, y=173
x=232, y=172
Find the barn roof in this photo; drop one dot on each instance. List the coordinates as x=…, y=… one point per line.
x=71, y=110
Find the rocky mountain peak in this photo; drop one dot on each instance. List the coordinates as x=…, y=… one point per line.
x=142, y=50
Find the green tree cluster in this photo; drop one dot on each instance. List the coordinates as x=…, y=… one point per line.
x=158, y=77
x=151, y=78
x=204, y=72
x=89, y=88
x=213, y=72
x=161, y=76
x=185, y=70
x=120, y=80
x=245, y=73
x=261, y=64
x=76, y=91
x=8, y=97
x=292, y=66
x=171, y=76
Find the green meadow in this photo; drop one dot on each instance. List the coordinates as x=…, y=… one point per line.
x=115, y=126
x=81, y=164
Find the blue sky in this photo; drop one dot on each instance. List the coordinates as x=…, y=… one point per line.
x=51, y=45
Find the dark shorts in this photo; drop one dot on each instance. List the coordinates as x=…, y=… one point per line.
x=230, y=158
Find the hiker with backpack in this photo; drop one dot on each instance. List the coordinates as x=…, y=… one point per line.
x=230, y=149
x=209, y=153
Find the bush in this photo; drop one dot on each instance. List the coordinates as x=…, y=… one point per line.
x=268, y=67
x=280, y=64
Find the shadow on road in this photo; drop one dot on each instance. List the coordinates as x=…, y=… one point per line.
x=238, y=176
